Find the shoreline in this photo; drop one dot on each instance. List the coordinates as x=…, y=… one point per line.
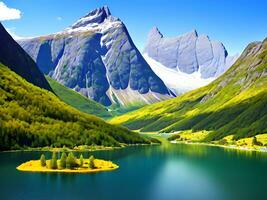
x=223, y=146
x=98, y=148
x=60, y=149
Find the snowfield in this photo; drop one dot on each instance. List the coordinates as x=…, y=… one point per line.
x=177, y=81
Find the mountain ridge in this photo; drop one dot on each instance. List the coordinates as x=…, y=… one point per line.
x=22, y=64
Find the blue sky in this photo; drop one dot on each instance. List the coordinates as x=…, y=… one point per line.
x=233, y=22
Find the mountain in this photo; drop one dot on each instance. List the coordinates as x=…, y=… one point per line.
x=77, y=100
x=97, y=57
x=13, y=56
x=234, y=104
x=34, y=117
x=188, y=61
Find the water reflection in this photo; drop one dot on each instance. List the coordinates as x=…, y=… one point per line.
x=245, y=153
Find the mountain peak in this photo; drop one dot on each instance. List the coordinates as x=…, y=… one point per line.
x=98, y=16
x=191, y=33
x=104, y=11
x=194, y=31
x=155, y=33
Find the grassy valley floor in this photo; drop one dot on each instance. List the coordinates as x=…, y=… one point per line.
x=258, y=143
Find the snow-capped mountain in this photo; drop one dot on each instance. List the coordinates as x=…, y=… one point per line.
x=97, y=57
x=186, y=62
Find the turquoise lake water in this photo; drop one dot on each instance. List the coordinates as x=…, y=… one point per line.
x=175, y=171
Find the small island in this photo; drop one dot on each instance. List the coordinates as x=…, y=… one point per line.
x=67, y=164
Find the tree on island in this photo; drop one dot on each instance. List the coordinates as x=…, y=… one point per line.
x=42, y=160
x=63, y=160
x=91, y=163
x=81, y=160
x=53, y=162
x=71, y=161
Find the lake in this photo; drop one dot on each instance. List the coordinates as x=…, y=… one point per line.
x=166, y=172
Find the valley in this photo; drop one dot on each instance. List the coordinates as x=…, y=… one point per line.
x=234, y=104
x=214, y=113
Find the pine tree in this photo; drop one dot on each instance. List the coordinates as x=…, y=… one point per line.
x=71, y=161
x=91, y=163
x=63, y=160
x=81, y=160
x=42, y=160
x=53, y=162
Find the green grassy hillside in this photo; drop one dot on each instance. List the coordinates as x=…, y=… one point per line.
x=78, y=101
x=34, y=117
x=234, y=104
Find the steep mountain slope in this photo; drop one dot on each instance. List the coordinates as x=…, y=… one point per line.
x=12, y=55
x=77, y=100
x=188, y=56
x=33, y=117
x=234, y=104
x=97, y=57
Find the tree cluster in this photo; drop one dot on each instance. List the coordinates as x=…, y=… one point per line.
x=69, y=161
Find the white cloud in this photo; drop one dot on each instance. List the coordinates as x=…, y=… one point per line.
x=59, y=18
x=7, y=13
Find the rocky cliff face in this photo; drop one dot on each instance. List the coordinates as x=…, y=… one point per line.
x=188, y=61
x=96, y=57
x=189, y=53
x=14, y=57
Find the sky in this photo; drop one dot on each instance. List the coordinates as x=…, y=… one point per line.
x=235, y=23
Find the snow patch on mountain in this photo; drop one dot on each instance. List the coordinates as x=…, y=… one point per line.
x=178, y=82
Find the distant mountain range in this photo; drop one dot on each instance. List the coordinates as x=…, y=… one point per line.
x=233, y=104
x=188, y=61
x=97, y=57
